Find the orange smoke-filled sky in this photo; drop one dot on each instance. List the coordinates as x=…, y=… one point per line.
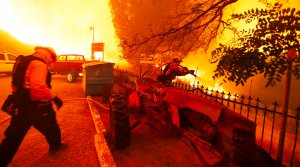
x=62, y=24
x=65, y=25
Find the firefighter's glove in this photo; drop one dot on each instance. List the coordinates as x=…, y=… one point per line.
x=58, y=102
x=9, y=106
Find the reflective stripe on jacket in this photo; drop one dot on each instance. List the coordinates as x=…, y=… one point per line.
x=35, y=81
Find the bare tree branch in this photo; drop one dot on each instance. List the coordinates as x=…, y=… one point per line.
x=189, y=31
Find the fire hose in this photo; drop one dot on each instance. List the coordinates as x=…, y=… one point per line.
x=89, y=99
x=66, y=100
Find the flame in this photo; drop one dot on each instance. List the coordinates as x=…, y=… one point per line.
x=198, y=81
x=64, y=25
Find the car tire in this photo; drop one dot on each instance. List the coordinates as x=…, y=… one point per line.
x=119, y=121
x=72, y=76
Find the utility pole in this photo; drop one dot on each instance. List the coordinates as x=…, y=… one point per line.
x=93, y=30
x=292, y=55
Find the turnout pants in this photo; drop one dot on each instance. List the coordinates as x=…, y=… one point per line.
x=39, y=115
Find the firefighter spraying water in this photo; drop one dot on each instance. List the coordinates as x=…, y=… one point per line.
x=172, y=70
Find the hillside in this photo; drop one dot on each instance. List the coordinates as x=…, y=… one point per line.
x=10, y=44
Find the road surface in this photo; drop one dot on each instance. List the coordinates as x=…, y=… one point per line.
x=150, y=146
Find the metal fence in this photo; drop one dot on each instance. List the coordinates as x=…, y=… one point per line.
x=267, y=117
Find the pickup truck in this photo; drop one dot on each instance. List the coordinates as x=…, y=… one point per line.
x=7, y=61
x=69, y=65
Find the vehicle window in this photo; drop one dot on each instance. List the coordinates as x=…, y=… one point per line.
x=71, y=57
x=11, y=57
x=2, y=56
x=62, y=58
x=79, y=58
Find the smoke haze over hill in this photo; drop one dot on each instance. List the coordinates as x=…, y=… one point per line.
x=10, y=44
x=62, y=24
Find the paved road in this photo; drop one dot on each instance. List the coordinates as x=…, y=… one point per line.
x=4, y=91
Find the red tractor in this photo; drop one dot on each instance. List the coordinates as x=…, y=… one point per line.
x=226, y=134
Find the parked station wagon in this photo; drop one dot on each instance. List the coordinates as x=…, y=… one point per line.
x=7, y=61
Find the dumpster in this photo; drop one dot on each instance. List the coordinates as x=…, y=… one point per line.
x=97, y=78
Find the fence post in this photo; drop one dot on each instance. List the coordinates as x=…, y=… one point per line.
x=217, y=95
x=275, y=104
x=228, y=99
x=249, y=105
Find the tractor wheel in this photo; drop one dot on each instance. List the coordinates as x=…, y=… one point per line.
x=119, y=121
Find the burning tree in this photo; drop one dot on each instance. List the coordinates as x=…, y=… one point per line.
x=262, y=50
x=167, y=27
